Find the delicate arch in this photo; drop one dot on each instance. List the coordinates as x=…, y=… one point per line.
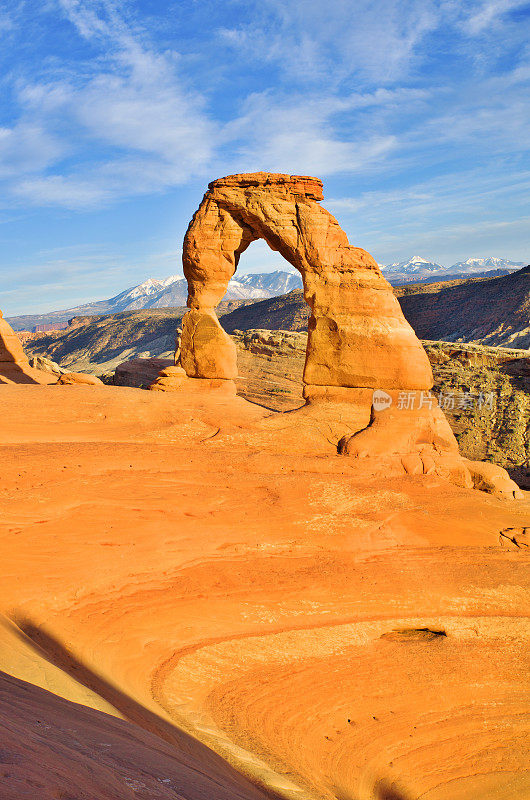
x=358, y=336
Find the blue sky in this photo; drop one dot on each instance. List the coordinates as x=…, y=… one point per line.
x=115, y=115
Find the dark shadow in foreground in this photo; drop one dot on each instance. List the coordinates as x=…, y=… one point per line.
x=198, y=772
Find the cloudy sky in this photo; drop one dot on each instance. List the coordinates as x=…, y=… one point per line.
x=115, y=114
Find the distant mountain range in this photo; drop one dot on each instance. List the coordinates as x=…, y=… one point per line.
x=172, y=292
x=491, y=311
x=420, y=270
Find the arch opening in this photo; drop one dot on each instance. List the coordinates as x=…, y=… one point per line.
x=270, y=334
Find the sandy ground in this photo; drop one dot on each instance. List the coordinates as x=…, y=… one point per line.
x=194, y=610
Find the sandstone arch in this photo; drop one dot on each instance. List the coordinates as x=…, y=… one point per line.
x=358, y=336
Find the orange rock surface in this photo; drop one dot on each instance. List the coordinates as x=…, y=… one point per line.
x=194, y=608
x=78, y=379
x=251, y=604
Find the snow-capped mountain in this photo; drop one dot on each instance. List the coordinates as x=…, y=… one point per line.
x=483, y=264
x=173, y=291
x=144, y=295
x=273, y=283
x=421, y=270
x=170, y=292
x=414, y=266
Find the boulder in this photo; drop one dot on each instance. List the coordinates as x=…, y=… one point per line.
x=494, y=480
x=169, y=379
x=46, y=365
x=78, y=379
x=139, y=372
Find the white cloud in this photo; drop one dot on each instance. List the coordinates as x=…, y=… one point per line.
x=332, y=41
x=130, y=122
x=487, y=15
x=161, y=136
x=454, y=192
x=69, y=192
x=146, y=130
x=27, y=147
x=297, y=134
x=150, y=116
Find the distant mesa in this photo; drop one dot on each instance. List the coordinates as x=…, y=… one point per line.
x=49, y=326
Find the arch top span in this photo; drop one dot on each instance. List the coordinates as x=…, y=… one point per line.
x=303, y=185
x=358, y=336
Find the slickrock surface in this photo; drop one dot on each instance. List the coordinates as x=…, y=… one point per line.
x=76, y=753
x=180, y=571
x=319, y=597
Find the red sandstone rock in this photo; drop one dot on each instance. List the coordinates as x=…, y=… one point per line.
x=358, y=336
x=493, y=479
x=78, y=378
x=161, y=569
x=169, y=379
x=11, y=350
x=139, y=372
